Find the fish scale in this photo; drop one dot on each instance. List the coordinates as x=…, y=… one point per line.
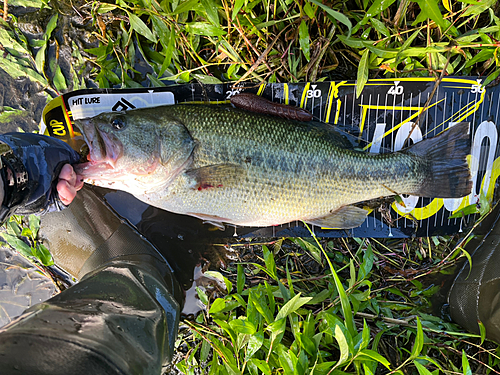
x=227, y=165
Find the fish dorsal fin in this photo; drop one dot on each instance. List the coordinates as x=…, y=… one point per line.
x=346, y=217
x=217, y=176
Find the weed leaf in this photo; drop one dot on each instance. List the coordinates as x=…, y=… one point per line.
x=430, y=9
x=362, y=73
x=377, y=7
x=419, y=341
x=482, y=331
x=380, y=27
x=261, y=306
x=105, y=8
x=269, y=260
x=51, y=26
x=296, y=302
x=140, y=27
x=367, y=369
x=287, y=360
x=421, y=369
x=8, y=41
x=465, y=364
x=43, y=254
x=211, y=10
x=254, y=344
x=202, y=295
x=218, y=305
x=240, y=279
x=237, y=6
x=320, y=297
x=29, y=3
x=313, y=250
x=59, y=80
x=375, y=356
x=18, y=244
x=333, y=13
x=367, y=264
x=483, y=55
x=262, y=365
x=185, y=6
x=304, y=40
x=205, y=350
x=343, y=345
x=242, y=326
x=467, y=210
x=203, y=28
x=478, y=7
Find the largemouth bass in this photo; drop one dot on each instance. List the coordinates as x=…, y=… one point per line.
x=226, y=165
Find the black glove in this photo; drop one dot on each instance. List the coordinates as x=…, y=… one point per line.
x=30, y=173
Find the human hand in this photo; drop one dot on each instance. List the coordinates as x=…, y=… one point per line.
x=69, y=183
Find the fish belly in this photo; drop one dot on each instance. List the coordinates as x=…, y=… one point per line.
x=265, y=197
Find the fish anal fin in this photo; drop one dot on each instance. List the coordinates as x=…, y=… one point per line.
x=217, y=176
x=346, y=217
x=214, y=220
x=217, y=224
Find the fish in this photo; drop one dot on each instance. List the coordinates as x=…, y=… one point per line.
x=226, y=165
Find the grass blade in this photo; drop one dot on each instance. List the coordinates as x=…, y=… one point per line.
x=140, y=27
x=419, y=341
x=337, y=15
x=304, y=40
x=296, y=302
x=362, y=73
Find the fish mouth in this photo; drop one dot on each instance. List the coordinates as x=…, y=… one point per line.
x=104, y=151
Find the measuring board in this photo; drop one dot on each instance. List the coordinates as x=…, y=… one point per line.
x=381, y=119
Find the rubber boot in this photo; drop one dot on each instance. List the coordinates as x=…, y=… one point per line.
x=120, y=318
x=475, y=293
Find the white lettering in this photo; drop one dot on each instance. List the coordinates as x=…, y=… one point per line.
x=231, y=93
x=489, y=130
x=416, y=136
x=314, y=93
x=378, y=135
x=396, y=89
x=477, y=89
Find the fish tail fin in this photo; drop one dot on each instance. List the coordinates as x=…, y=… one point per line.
x=450, y=175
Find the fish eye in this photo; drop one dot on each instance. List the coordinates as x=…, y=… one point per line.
x=118, y=123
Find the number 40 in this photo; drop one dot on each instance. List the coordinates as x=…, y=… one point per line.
x=395, y=90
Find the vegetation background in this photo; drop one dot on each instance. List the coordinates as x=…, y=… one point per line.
x=290, y=306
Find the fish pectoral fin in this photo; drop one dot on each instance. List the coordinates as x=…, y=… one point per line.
x=346, y=217
x=217, y=176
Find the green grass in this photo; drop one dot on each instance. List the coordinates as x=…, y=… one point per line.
x=274, y=41
x=300, y=306
x=366, y=309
